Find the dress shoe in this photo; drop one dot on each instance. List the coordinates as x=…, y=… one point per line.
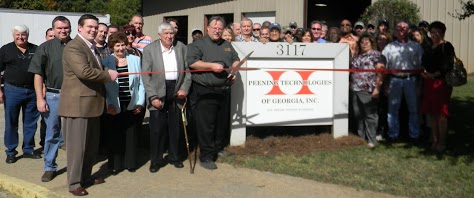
x=208, y=164
x=116, y=172
x=79, y=192
x=10, y=159
x=31, y=155
x=132, y=170
x=177, y=164
x=154, y=167
x=48, y=176
x=99, y=181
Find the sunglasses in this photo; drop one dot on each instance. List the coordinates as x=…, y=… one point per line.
x=316, y=28
x=129, y=33
x=256, y=29
x=346, y=24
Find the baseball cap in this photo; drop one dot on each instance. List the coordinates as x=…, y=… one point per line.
x=293, y=24
x=383, y=22
x=359, y=23
x=195, y=31
x=275, y=25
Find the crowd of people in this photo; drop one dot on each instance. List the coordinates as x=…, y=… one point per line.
x=93, y=90
x=412, y=60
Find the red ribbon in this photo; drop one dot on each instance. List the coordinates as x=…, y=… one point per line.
x=383, y=71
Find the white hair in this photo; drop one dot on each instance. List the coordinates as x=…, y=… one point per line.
x=20, y=28
x=165, y=26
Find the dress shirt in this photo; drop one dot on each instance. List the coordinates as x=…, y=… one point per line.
x=169, y=60
x=93, y=48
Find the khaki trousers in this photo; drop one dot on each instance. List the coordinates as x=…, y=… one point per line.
x=82, y=142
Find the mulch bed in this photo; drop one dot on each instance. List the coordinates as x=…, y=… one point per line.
x=290, y=144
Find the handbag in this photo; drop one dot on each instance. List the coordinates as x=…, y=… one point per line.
x=458, y=75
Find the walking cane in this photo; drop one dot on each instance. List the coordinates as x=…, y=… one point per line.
x=185, y=122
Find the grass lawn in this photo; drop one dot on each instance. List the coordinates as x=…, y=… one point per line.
x=398, y=169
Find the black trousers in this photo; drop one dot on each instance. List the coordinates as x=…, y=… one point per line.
x=210, y=109
x=165, y=125
x=121, y=137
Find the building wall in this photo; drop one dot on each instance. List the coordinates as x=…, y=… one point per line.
x=286, y=11
x=459, y=33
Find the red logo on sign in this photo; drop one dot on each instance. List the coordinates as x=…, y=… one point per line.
x=276, y=78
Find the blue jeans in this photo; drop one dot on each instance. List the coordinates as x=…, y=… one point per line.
x=17, y=98
x=53, y=136
x=408, y=88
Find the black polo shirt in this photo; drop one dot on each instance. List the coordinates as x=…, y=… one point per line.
x=47, y=62
x=15, y=64
x=206, y=50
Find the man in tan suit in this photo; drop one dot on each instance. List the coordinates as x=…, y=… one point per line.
x=82, y=102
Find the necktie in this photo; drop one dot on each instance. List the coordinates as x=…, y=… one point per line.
x=96, y=54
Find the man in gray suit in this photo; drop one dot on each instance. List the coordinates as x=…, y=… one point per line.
x=81, y=103
x=166, y=92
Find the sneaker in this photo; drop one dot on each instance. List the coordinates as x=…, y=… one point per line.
x=10, y=159
x=208, y=164
x=48, y=176
x=371, y=145
x=379, y=137
x=223, y=153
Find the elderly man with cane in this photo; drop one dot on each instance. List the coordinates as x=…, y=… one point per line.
x=166, y=90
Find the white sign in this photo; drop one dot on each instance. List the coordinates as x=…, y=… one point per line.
x=288, y=89
x=286, y=97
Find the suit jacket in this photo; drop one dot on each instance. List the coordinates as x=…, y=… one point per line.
x=137, y=90
x=83, y=90
x=152, y=61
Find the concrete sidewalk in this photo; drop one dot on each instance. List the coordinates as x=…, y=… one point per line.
x=23, y=179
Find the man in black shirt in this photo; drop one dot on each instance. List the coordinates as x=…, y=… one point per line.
x=48, y=69
x=209, y=97
x=19, y=93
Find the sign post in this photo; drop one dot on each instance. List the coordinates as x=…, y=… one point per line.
x=288, y=89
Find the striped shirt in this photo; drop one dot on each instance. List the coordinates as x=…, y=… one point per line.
x=141, y=42
x=124, y=85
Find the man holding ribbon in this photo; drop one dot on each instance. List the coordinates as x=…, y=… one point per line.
x=209, y=96
x=403, y=54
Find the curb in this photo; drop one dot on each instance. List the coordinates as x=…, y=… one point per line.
x=20, y=188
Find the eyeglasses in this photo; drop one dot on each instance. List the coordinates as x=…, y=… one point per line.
x=256, y=29
x=402, y=28
x=217, y=29
x=316, y=28
x=346, y=24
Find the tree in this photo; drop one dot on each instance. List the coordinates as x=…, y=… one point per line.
x=30, y=4
x=120, y=10
x=467, y=10
x=392, y=11
x=6, y=3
